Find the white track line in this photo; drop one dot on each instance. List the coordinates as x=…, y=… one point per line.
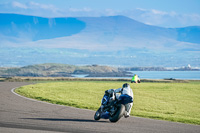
x=13, y=91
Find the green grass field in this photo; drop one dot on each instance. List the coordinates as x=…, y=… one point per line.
x=178, y=102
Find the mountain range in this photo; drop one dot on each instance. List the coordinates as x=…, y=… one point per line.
x=113, y=40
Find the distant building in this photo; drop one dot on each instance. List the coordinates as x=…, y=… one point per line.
x=189, y=66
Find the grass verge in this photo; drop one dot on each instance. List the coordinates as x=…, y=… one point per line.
x=178, y=102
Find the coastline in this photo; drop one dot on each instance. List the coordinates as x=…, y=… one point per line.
x=37, y=79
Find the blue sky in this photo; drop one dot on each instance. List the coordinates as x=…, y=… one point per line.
x=165, y=13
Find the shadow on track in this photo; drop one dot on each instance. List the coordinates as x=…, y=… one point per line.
x=58, y=119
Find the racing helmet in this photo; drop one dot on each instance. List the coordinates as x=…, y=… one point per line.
x=125, y=85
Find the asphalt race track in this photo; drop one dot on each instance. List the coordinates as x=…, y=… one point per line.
x=21, y=115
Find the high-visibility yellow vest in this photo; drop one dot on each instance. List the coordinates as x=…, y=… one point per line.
x=135, y=78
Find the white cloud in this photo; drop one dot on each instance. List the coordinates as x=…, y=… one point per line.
x=80, y=9
x=30, y=8
x=161, y=18
x=18, y=5
x=34, y=5
x=158, y=12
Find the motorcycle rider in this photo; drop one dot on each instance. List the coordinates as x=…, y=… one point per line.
x=135, y=79
x=127, y=92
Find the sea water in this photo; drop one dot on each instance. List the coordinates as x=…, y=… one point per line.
x=193, y=75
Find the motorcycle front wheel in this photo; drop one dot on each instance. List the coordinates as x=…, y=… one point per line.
x=97, y=114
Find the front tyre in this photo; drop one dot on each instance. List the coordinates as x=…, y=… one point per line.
x=119, y=113
x=97, y=114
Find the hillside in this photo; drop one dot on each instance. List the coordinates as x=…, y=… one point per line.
x=60, y=70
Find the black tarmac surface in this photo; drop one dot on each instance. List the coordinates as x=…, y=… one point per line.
x=21, y=115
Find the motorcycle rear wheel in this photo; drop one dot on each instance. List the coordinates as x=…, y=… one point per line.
x=119, y=113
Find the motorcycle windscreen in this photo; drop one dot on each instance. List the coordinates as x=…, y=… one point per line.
x=124, y=99
x=105, y=100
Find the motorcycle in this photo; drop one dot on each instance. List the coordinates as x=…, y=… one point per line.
x=112, y=107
